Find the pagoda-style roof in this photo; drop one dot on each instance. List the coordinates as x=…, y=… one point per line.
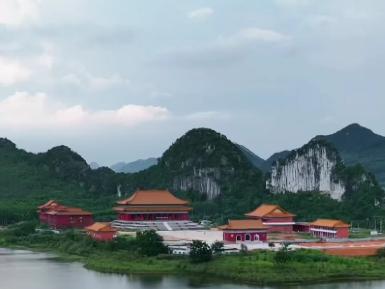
x=152, y=197
x=330, y=223
x=68, y=211
x=244, y=225
x=49, y=205
x=100, y=227
x=271, y=211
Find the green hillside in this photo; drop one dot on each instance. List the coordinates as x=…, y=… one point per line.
x=203, y=155
x=202, y=166
x=359, y=145
x=27, y=180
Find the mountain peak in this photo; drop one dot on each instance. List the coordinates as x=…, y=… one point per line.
x=63, y=152
x=356, y=129
x=201, y=131
x=6, y=143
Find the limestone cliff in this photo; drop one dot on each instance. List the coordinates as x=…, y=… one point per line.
x=205, y=181
x=311, y=168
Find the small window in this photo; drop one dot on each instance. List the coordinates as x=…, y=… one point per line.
x=239, y=238
x=247, y=237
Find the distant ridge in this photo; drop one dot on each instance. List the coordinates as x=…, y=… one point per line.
x=135, y=166
x=252, y=157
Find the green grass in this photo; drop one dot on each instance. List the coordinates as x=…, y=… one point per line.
x=360, y=233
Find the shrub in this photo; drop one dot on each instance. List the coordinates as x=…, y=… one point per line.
x=150, y=243
x=22, y=229
x=381, y=253
x=283, y=255
x=217, y=247
x=200, y=252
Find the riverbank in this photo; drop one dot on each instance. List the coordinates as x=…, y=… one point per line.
x=259, y=268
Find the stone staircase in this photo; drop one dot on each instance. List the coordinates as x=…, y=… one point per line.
x=155, y=225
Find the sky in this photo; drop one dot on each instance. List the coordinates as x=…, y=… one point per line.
x=120, y=80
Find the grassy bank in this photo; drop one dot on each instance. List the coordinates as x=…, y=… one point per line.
x=256, y=268
x=259, y=267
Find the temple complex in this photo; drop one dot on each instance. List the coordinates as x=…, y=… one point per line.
x=274, y=217
x=154, y=209
x=237, y=231
x=58, y=216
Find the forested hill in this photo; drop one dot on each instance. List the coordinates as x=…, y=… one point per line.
x=28, y=179
x=203, y=166
x=207, y=168
x=359, y=145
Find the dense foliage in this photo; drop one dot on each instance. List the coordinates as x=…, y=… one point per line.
x=200, y=251
x=150, y=243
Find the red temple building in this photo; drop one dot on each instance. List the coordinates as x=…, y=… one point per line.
x=333, y=229
x=101, y=232
x=274, y=217
x=153, y=205
x=58, y=216
x=237, y=231
x=44, y=209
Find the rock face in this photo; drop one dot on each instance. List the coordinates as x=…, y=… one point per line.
x=359, y=145
x=311, y=168
x=206, y=164
x=204, y=181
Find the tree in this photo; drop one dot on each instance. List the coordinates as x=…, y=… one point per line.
x=283, y=255
x=150, y=243
x=217, y=247
x=200, y=252
x=381, y=253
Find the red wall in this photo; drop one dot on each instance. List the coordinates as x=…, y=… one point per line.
x=43, y=217
x=279, y=228
x=69, y=221
x=278, y=220
x=102, y=236
x=155, y=217
x=343, y=233
x=232, y=236
x=301, y=228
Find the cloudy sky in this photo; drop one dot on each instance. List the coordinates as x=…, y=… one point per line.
x=121, y=80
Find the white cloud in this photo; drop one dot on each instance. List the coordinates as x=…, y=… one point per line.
x=12, y=72
x=202, y=13
x=23, y=110
x=17, y=12
x=259, y=34
x=251, y=35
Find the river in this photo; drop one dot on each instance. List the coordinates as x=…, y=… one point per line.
x=27, y=270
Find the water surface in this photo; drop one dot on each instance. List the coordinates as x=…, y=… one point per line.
x=27, y=270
